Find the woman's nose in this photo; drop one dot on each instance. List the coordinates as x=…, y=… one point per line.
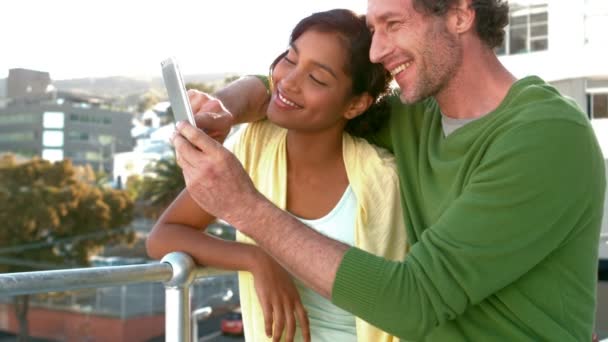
x=290, y=81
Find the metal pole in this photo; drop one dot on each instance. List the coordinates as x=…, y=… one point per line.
x=177, y=297
x=14, y=284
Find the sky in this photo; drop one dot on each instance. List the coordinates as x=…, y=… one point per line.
x=92, y=38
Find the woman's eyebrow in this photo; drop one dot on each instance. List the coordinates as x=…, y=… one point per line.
x=316, y=63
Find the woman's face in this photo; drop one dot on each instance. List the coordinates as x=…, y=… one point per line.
x=312, y=92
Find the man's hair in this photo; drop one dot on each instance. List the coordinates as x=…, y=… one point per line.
x=491, y=16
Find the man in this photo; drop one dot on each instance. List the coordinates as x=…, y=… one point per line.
x=502, y=183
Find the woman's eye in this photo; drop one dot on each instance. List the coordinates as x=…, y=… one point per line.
x=289, y=60
x=316, y=80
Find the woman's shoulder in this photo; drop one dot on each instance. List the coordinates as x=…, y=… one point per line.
x=370, y=168
x=369, y=155
x=254, y=138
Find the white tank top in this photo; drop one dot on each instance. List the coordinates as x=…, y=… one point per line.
x=329, y=323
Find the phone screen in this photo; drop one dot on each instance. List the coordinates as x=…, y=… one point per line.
x=176, y=90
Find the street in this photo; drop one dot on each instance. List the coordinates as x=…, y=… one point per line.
x=209, y=330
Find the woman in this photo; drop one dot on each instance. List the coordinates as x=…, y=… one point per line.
x=305, y=159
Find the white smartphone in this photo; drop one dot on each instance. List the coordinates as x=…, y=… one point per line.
x=176, y=91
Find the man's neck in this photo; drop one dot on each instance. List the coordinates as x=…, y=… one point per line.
x=477, y=88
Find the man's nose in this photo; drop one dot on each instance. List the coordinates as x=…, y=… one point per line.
x=379, y=48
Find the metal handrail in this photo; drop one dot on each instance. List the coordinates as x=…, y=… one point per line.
x=176, y=270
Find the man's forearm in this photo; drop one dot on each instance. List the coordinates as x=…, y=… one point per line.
x=246, y=98
x=308, y=255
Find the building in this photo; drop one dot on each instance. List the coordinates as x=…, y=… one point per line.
x=565, y=43
x=57, y=125
x=25, y=83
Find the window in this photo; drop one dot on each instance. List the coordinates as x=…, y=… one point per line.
x=78, y=136
x=52, y=120
x=599, y=105
x=16, y=137
x=93, y=156
x=52, y=139
x=13, y=119
x=52, y=154
x=528, y=28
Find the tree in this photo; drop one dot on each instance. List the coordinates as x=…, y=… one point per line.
x=147, y=101
x=204, y=87
x=230, y=79
x=163, y=185
x=54, y=217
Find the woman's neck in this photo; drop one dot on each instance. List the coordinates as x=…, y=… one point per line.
x=310, y=151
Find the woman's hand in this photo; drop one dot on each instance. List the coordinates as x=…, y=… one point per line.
x=279, y=299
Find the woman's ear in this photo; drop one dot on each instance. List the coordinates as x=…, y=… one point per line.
x=358, y=105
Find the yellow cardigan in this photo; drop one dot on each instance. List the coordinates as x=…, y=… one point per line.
x=379, y=225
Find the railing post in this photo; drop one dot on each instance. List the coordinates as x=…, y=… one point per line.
x=177, y=297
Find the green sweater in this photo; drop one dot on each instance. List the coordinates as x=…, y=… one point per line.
x=503, y=220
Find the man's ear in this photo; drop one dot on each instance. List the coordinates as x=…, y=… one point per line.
x=358, y=105
x=462, y=17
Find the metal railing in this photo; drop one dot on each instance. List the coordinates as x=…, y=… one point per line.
x=176, y=270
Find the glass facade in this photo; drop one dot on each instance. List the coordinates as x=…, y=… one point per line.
x=528, y=29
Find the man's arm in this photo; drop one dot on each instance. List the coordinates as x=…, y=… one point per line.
x=246, y=98
x=310, y=256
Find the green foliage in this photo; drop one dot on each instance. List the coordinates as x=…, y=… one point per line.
x=133, y=187
x=204, y=87
x=49, y=204
x=163, y=186
x=147, y=101
x=230, y=79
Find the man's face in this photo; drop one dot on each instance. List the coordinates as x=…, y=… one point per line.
x=418, y=49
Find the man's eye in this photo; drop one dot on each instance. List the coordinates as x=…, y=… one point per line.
x=392, y=25
x=289, y=60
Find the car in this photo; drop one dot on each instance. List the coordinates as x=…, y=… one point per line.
x=232, y=323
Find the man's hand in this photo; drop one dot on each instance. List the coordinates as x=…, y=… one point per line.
x=210, y=114
x=217, y=182
x=215, y=179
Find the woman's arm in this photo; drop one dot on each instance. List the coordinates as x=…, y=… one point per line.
x=180, y=228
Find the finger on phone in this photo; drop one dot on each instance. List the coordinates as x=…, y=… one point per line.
x=184, y=151
x=197, y=138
